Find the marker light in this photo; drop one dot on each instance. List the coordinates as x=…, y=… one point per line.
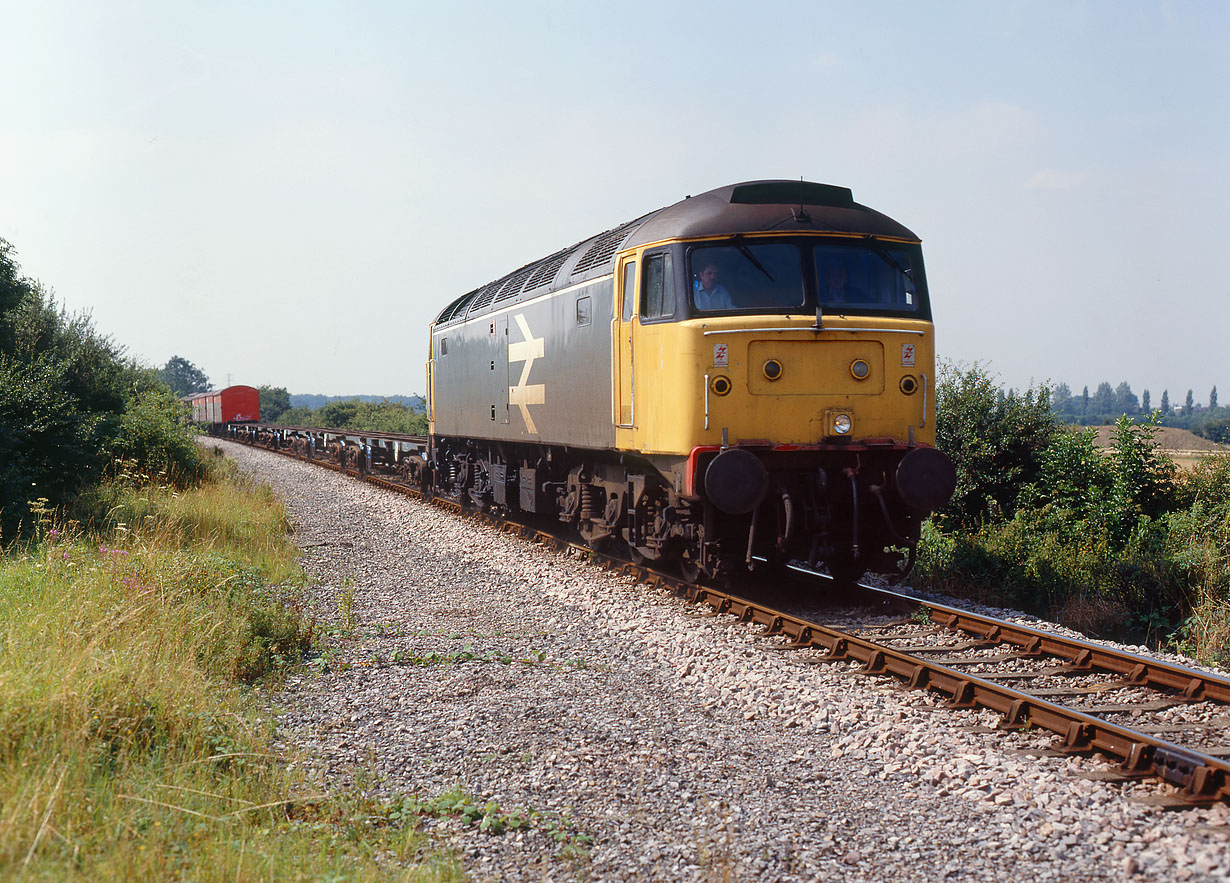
x=842, y=424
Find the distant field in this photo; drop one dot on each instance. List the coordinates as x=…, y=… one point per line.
x=1185, y=447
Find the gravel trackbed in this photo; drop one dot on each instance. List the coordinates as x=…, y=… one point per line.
x=658, y=743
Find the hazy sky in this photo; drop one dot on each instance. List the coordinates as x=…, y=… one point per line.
x=287, y=193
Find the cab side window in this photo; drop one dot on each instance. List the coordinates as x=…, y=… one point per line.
x=629, y=289
x=658, y=294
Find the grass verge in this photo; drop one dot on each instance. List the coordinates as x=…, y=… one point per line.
x=130, y=747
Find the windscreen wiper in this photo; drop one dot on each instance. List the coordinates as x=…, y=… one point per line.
x=885, y=255
x=747, y=253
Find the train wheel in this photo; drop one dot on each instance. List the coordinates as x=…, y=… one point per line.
x=846, y=571
x=690, y=570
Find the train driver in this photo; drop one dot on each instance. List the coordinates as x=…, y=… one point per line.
x=707, y=292
x=836, y=284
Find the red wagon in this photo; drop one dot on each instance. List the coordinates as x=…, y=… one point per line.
x=235, y=404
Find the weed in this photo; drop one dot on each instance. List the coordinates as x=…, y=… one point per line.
x=488, y=817
x=345, y=606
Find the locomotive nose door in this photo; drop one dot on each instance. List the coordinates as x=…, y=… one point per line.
x=625, y=312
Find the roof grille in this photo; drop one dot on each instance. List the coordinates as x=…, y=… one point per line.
x=485, y=294
x=512, y=287
x=547, y=269
x=603, y=248
x=456, y=308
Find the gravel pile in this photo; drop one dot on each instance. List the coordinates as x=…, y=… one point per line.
x=658, y=743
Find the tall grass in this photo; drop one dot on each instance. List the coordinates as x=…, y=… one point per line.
x=130, y=746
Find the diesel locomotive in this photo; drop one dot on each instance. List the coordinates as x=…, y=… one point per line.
x=733, y=382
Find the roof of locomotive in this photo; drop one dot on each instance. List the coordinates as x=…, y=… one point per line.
x=766, y=207
x=750, y=207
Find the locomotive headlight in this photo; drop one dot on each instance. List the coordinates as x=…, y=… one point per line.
x=772, y=369
x=859, y=369
x=842, y=424
x=720, y=385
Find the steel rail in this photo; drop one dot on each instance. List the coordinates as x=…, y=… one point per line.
x=1078, y=654
x=1199, y=778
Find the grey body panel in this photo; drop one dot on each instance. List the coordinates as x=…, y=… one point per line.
x=483, y=389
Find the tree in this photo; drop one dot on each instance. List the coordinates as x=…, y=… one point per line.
x=1165, y=407
x=995, y=441
x=14, y=288
x=1061, y=399
x=339, y=415
x=1189, y=404
x=1144, y=402
x=1104, y=400
x=183, y=377
x=1125, y=399
x=1213, y=397
x=275, y=401
x=1216, y=430
x=1085, y=402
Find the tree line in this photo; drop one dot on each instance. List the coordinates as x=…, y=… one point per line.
x=1106, y=404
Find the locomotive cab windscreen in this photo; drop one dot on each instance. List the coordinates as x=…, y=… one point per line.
x=794, y=276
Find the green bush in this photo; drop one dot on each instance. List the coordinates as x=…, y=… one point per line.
x=1114, y=542
x=1217, y=430
x=49, y=447
x=995, y=440
x=70, y=404
x=151, y=433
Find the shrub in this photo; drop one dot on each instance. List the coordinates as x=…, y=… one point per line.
x=996, y=442
x=49, y=446
x=152, y=433
x=70, y=403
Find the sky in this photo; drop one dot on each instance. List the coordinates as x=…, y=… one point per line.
x=288, y=193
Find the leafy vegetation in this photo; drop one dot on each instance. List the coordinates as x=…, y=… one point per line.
x=72, y=406
x=275, y=401
x=183, y=377
x=1118, y=543
x=382, y=416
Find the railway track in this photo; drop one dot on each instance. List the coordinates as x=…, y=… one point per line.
x=1154, y=718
